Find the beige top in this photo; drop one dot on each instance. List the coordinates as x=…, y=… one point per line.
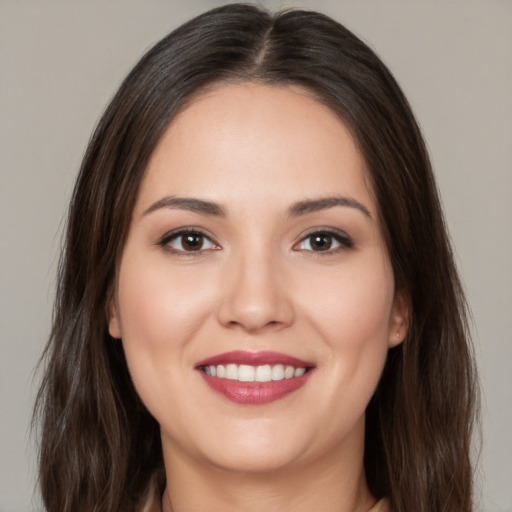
x=154, y=505
x=381, y=506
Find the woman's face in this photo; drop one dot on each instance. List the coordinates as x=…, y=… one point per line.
x=255, y=298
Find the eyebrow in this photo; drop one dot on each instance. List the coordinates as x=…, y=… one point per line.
x=315, y=205
x=186, y=203
x=217, y=210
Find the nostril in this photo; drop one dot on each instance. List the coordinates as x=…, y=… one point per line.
x=254, y=301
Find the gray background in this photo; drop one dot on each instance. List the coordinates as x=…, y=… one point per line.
x=60, y=61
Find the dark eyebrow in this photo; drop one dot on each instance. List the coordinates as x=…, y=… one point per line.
x=315, y=205
x=215, y=209
x=186, y=203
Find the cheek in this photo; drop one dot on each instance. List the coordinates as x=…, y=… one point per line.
x=160, y=308
x=353, y=308
x=160, y=311
x=352, y=318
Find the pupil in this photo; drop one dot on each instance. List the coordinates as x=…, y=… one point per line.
x=192, y=242
x=321, y=242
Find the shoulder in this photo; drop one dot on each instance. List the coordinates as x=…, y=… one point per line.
x=152, y=501
x=153, y=504
x=381, y=506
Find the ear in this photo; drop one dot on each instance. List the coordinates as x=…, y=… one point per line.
x=399, y=319
x=114, y=322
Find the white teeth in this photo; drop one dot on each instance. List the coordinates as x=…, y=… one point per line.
x=299, y=371
x=278, y=372
x=232, y=372
x=248, y=373
x=263, y=373
x=288, y=372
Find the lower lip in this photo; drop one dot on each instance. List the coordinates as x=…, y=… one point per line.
x=255, y=393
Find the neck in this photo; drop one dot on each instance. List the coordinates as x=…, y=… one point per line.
x=333, y=484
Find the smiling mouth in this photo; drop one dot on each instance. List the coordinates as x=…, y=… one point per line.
x=249, y=373
x=252, y=378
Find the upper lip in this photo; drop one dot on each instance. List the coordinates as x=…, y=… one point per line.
x=254, y=359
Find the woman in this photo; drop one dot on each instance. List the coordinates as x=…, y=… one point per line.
x=257, y=304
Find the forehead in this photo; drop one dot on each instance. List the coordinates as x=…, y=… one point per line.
x=253, y=141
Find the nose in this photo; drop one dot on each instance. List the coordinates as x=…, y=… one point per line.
x=256, y=296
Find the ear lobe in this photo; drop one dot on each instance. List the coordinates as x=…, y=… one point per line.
x=114, y=323
x=399, y=320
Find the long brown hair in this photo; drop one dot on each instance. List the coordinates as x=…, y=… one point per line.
x=99, y=446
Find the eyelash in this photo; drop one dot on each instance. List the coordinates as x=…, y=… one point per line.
x=344, y=241
x=175, y=235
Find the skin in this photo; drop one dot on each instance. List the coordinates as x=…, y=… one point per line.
x=258, y=284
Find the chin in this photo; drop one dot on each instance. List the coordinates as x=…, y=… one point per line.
x=255, y=460
x=242, y=448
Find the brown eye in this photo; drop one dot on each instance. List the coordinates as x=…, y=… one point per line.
x=188, y=241
x=320, y=242
x=192, y=242
x=324, y=241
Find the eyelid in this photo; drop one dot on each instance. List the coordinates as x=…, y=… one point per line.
x=341, y=237
x=174, y=234
x=343, y=240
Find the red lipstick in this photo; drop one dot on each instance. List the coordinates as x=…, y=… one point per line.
x=272, y=375
x=254, y=359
